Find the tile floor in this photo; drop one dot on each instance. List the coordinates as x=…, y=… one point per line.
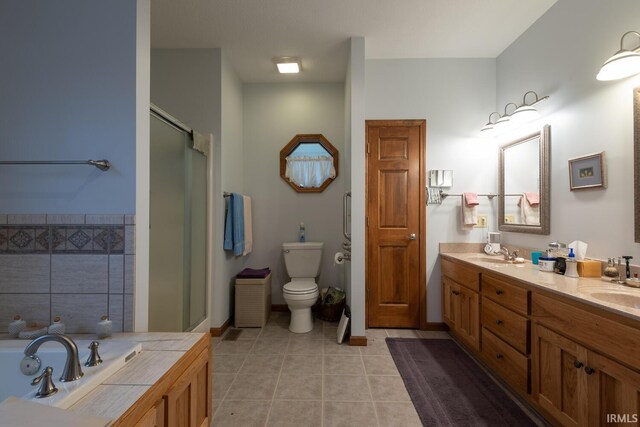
x=271, y=377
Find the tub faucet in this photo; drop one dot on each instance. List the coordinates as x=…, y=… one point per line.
x=72, y=370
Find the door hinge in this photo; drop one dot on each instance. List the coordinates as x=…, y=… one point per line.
x=368, y=148
x=367, y=221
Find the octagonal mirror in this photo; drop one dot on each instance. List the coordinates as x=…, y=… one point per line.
x=309, y=163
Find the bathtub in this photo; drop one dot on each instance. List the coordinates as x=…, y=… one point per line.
x=115, y=354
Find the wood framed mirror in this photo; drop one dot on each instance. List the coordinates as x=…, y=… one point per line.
x=524, y=184
x=309, y=163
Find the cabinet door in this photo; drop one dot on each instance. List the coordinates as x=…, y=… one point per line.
x=559, y=382
x=468, y=320
x=189, y=399
x=448, y=302
x=614, y=392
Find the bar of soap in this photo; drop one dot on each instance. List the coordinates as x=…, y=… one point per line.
x=589, y=268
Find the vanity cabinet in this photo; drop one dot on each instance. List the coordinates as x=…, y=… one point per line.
x=578, y=365
x=461, y=302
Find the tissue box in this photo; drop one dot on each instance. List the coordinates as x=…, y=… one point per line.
x=589, y=268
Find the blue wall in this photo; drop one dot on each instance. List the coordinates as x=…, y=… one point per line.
x=68, y=91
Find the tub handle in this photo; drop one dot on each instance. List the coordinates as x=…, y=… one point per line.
x=47, y=387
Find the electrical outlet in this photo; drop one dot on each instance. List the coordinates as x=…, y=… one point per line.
x=509, y=219
x=482, y=222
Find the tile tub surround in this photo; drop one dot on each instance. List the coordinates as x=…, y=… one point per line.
x=79, y=267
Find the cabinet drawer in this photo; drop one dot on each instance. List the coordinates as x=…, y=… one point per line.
x=509, y=364
x=609, y=336
x=514, y=297
x=463, y=275
x=506, y=324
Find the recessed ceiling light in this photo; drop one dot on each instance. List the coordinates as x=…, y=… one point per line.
x=288, y=64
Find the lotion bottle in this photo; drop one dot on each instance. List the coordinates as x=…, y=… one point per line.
x=572, y=265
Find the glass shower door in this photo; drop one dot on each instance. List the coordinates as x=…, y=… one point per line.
x=178, y=230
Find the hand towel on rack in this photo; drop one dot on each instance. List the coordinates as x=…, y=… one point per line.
x=530, y=214
x=248, y=231
x=234, y=225
x=469, y=210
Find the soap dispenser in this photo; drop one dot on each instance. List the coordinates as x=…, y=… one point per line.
x=571, y=265
x=18, y=325
x=57, y=327
x=301, y=232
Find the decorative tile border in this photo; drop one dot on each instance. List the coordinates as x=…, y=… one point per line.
x=44, y=239
x=77, y=266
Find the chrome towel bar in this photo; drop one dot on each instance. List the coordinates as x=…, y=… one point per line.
x=103, y=165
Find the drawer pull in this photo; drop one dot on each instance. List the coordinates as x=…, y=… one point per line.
x=499, y=292
x=499, y=322
x=499, y=356
x=589, y=370
x=578, y=364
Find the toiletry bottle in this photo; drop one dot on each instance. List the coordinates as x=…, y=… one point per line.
x=18, y=325
x=57, y=327
x=301, y=232
x=571, y=265
x=611, y=270
x=627, y=258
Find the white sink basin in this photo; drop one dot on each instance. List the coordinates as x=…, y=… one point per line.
x=619, y=298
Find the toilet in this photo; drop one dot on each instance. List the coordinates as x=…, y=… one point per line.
x=302, y=260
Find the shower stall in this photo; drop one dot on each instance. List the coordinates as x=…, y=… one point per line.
x=178, y=225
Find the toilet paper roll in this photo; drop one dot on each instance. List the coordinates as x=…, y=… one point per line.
x=338, y=258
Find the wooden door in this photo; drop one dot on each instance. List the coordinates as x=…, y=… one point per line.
x=614, y=392
x=396, y=278
x=468, y=320
x=559, y=383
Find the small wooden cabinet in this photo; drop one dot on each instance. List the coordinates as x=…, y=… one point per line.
x=461, y=304
x=580, y=387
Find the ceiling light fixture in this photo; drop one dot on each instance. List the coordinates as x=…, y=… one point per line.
x=288, y=64
x=624, y=63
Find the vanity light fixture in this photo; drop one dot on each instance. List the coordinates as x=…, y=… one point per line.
x=504, y=121
x=288, y=64
x=488, y=129
x=527, y=112
x=523, y=113
x=624, y=63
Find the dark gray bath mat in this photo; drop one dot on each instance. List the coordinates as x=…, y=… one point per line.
x=449, y=389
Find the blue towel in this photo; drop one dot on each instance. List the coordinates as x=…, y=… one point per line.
x=234, y=225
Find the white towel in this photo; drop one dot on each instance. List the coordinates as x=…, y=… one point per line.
x=469, y=215
x=530, y=215
x=248, y=232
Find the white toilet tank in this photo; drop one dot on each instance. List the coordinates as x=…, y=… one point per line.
x=302, y=259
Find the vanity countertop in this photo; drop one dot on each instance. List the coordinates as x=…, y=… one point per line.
x=618, y=299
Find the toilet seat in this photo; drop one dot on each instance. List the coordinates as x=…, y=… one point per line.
x=300, y=287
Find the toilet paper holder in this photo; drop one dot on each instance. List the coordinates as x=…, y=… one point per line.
x=340, y=258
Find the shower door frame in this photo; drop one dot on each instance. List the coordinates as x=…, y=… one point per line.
x=202, y=326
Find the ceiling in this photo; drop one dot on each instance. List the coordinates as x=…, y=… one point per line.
x=252, y=32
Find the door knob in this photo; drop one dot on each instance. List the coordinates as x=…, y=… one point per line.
x=412, y=236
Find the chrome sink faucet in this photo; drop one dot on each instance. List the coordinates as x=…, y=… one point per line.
x=72, y=370
x=508, y=256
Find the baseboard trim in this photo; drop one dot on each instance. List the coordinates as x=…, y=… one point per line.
x=218, y=332
x=279, y=307
x=436, y=326
x=358, y=341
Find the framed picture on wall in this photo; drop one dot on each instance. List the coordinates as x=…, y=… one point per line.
x=588, y=171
